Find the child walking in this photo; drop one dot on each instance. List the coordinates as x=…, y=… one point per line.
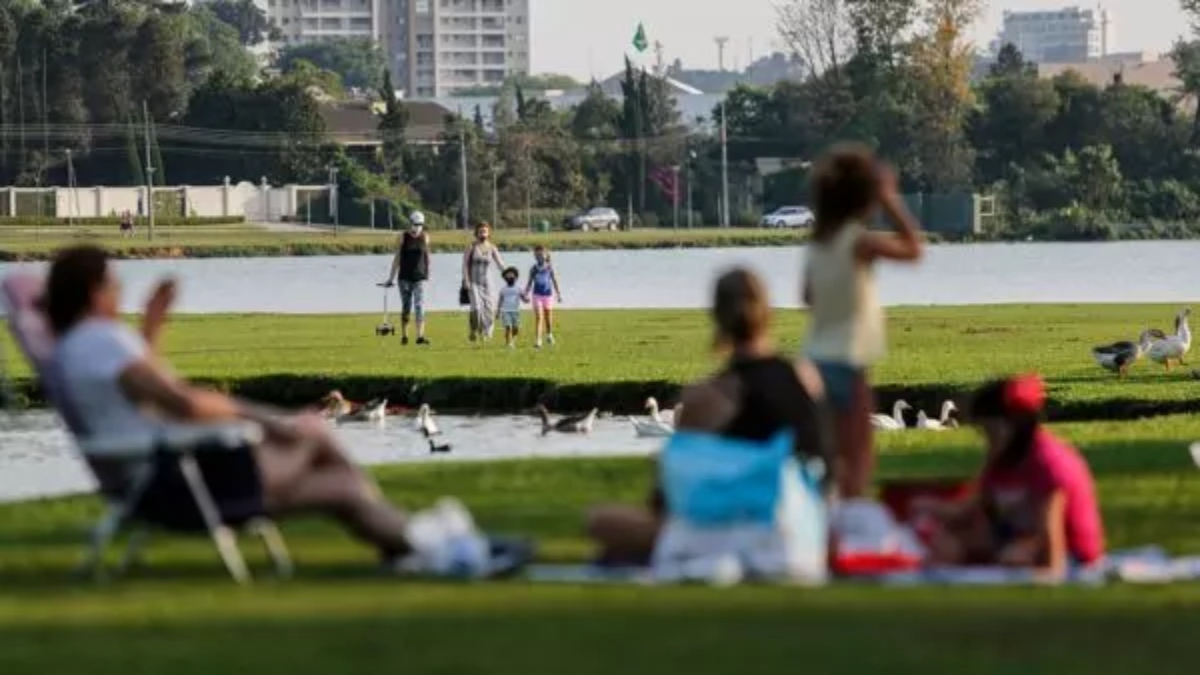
x=543, y=286
x=1036, y=502
x=509, y=309
x=846, y=329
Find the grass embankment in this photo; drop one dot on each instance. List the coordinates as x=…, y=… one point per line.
x=614, y=359
x=243, y=241
x=182, y=615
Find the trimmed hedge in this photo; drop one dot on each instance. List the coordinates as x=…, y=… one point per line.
x=114, y=221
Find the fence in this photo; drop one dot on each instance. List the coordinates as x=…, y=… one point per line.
x=242, y=200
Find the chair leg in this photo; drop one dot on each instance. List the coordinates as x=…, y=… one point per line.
x=276, y=547
x=223, y=538
x=99, y=538
x=133, y=550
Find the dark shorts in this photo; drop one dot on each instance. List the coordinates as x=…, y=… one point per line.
x=841, y=381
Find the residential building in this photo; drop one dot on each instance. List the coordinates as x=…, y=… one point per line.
x=308, y=20
x=1157, y=75
x=1067, y=35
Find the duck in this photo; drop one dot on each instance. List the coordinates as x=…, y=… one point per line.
x=372, y=411
x=893, y=422
x=435, y=449
x=942, y=423
x=425, y=423
x=573, y=424
x=335, y=405
x=654, y=426
x=1119, y=356
x=1173, y=347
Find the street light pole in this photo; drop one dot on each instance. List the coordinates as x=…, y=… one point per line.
x=690, y=159
x=333, y=199
x=495, y=197
x=675, y=195
x=149, y=175
x=724, y=168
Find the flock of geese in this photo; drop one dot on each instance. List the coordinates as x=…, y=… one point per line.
x=897, y=422
x=1153, y=344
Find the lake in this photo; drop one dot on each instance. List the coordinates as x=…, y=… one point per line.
x=681, y=278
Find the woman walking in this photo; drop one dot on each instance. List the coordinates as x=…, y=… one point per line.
x=477, y=282
x=411, y=267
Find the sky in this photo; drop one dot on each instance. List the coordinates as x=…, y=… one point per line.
x=589, y=37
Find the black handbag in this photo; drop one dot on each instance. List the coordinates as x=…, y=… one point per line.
x=464, y=296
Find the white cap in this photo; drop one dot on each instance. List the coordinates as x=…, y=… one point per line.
x=417, y=218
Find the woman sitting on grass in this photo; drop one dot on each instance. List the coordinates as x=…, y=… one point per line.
x=116, y=385
x=1036, y=503
x=755, y=396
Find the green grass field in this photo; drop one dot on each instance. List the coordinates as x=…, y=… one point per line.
x=208, y=241
x=339, y=615
x=616, y=358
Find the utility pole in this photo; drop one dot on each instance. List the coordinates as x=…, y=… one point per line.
x=675, y=194
x=149, y=175
x=462, y=151
x=721, y=42
x=724, y=168
x=333, y=199
x=74, y=192
x=495, y=197
x=690, y=158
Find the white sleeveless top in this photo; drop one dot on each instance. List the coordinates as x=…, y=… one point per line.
x=846, y=325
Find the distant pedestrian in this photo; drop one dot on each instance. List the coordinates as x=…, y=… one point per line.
x=846, y=332
x=411, y=268
x=126, y=224
x=543, y=287
x=477, y=282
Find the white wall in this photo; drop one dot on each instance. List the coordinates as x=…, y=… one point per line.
x=254, y=202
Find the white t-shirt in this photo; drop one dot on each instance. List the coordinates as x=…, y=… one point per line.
x=847, y=323
x=510, y=299
x=90, y=360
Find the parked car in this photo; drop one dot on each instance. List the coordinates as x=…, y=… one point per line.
x=600, y=218
x=790, y=216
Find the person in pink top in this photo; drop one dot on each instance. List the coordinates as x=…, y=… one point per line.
x=1036, y=501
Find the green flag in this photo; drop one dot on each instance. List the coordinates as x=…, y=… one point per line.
x=640, y=42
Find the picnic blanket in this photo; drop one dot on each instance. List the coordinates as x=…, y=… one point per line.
x=1147, y=565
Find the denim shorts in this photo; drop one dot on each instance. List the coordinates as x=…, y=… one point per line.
x=412, y=297
x=510, y=319
x=840, y=380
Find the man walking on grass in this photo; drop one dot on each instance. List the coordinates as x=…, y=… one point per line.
x=411, y=268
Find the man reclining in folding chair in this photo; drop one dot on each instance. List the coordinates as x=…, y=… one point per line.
x=117, y=396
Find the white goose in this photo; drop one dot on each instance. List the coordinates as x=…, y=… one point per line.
x=425, y=423
x=654, y=426
x=942, y=423
x=373, y=411
x=893, y=422
x=1174, y=347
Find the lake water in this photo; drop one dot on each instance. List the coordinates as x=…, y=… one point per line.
x=680, y=278
x=38, y=458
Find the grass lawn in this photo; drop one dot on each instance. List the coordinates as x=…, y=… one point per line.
x=616, y=358
x=205, y=241
x=182, y=616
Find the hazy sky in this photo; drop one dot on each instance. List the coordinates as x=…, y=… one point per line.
x=588, y=37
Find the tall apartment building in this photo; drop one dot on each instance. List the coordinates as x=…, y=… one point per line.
x=308, y=20
x=1068, y=35
x=436, y=47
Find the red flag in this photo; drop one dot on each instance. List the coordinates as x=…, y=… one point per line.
x=667, y=180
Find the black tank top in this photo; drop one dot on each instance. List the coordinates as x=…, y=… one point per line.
x=412, y=258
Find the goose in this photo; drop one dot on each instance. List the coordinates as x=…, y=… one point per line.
x=654, y=426
x=573, y=424
x=940, y=424
x=1119, y=356
x=435, y=449
x=372, y=411
x=1173, y=347
x=336, y=405
x=893, y=422
x=425, y=423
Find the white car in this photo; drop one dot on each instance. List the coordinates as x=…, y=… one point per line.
x=600, y=218
x=790, y=216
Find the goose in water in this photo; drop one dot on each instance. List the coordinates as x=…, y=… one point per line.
x=572, y=424
x=942, y=423
x=1173, y=347
x=893, y=422
x=435, y=449
x=425, y=423
x=373, y=411
x=1119, y=356
x=335, y=405
x=654, y=426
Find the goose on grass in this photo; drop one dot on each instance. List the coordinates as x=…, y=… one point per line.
x=1119, y=356
x=1173, y=348
x=945, y=421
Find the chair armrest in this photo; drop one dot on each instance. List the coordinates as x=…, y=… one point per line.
x=179, y=439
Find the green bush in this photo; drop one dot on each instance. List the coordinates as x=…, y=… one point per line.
x=33, y=221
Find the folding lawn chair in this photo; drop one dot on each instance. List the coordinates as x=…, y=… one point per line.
x=189, y=480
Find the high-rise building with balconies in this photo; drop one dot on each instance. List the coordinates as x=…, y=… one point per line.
x=1067, y=35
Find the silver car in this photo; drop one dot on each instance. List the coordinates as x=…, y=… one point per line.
x=600, y=218
x=789, y=216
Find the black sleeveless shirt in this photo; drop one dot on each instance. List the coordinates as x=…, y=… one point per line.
x=413, y=252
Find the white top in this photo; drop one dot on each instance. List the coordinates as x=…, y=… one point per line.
x=510, y=299
x=847, y=324
x=91, y=359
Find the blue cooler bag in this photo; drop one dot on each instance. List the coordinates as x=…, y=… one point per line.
x=740, y=502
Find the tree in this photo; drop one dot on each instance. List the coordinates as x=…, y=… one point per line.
x=358, y=61
x=159, y=78
x=246, y=18
x=817, y=31
x=392, y=125
x=1012, y=124
x=1010, y=62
